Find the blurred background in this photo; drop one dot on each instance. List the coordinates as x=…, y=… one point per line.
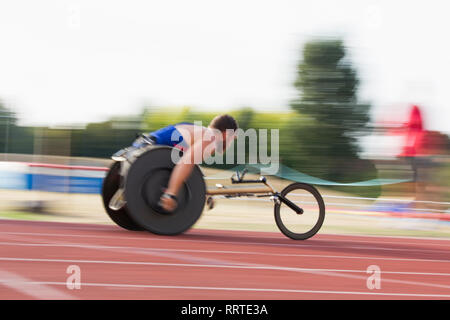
x=357, y=90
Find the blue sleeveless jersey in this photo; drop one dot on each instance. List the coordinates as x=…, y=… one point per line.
x=168, y=136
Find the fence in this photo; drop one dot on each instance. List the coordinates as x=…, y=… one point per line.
x=51, y=177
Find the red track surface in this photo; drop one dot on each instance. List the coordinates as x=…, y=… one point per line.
x=212, y=264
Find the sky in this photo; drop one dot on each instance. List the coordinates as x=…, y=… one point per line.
x=67, y=61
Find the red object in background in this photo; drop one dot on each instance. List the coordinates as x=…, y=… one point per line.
x=414, y=134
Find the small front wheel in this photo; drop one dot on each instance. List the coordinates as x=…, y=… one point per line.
x=300, y=226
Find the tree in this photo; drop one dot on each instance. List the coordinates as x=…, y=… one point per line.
x=244, y=117
x=7, y=121
x=327, y=85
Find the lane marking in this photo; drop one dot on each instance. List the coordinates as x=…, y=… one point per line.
x=227, y=265
x=149, y=286
x=109, y=227
x=30, y=288
x=89, y=246
x=228, y=242
x=329, y=237
x=325, y=273
x=322, y=237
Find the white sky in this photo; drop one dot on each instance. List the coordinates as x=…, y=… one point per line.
x=77, y=61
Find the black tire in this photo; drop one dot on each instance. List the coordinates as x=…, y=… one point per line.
x=147, y=178
x=321, y=212
x=109, y=187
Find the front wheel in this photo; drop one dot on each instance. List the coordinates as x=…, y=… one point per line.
x=300, y=226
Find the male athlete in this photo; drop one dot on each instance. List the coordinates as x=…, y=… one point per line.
x=197, y=143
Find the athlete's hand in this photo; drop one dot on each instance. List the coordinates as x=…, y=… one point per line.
x=167, y=203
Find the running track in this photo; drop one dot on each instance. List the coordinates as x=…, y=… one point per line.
x=212, y=264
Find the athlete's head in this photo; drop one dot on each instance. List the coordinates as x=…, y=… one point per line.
x=227, y=125
x=223, y=122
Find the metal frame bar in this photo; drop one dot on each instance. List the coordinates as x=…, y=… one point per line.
x=267, y=190
x=229, y=191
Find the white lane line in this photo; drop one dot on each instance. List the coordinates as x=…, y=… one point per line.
x=113, y=228
x=386, y=242
x=321, y=272
x=386, y=237
x=330, y=237
x=229, y=266
x=88, y=246
x=149, y=286
x=166, y=239
x=325, y=237
x=208, y=261
x=322, y=237
x=28, y=287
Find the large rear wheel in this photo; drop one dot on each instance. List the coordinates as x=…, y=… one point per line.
x=146, y=180
x=110, y=185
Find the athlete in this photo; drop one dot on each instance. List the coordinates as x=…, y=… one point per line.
x=196, y=142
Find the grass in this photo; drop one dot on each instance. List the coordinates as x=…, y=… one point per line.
x=21, y=215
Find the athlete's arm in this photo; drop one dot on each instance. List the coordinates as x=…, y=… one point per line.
x=183, y=169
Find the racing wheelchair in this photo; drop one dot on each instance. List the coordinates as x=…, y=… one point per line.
x=142, y=173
